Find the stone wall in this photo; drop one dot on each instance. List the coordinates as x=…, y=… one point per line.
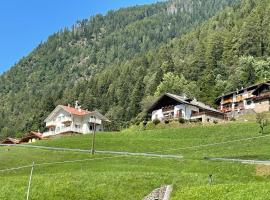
x=262, y=106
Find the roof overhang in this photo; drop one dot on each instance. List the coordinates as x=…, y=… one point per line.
x=152, y=108
x=240, y=91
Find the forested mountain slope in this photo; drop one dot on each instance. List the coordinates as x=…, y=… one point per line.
x=107, y=62
x=229, y=51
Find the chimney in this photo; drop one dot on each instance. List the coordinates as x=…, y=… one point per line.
x=69, y=105
x=184, y=96
x=77, y=104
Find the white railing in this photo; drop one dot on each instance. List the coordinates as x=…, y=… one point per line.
x=65, y=119
x=93, y=120
x=63, y=130
x=52, y=123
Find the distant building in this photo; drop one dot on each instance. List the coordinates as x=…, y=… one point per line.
x=31, y=137
x=255, y=98
x=171, y=106
x=67, y=119
x=10, y=141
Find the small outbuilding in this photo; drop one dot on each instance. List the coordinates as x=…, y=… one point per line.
x=31, y=137
x=10, y=141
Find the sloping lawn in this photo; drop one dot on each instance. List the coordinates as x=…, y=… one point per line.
x=131, y=177
x=178, y=141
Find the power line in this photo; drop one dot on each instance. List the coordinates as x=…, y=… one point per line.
x=60, y=162
x=96, y=151
x=146, y=153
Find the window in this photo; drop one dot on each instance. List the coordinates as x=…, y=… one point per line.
x=249, y=102
x=90, y=127
x=77, y=126
x=179, y=113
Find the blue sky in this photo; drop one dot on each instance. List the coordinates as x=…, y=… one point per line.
x=25, y=23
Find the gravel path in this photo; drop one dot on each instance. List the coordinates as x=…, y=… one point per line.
x=97, y=151
x=253, y=162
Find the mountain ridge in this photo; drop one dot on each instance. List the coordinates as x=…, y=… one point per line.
x=59, y=70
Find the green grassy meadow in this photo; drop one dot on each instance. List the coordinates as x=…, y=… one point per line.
x=133, y=177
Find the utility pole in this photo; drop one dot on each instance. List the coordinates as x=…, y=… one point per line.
x=94, y=137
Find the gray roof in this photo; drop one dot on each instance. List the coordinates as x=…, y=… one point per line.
x=251, y=87
x=188, y=101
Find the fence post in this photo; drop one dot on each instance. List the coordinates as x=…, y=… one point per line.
x=30, y=180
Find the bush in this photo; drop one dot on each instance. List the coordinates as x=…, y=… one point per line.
x=181, y=121
x=166, y=121
x=156, y=121
x=215, y=122
x=137, y=123
x=262, y=120
x=232, y=119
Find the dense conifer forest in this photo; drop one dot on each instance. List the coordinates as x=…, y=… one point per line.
x=119, y=63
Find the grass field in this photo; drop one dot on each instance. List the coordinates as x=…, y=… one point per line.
x=133, y=177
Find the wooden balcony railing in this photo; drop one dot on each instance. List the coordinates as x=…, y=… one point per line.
x=262, y=96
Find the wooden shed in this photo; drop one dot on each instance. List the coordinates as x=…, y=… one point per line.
x=10, y=141
x=31, y=137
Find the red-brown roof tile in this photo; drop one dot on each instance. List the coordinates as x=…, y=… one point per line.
x=75, y=111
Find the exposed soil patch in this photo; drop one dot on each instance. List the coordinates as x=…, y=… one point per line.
x=263, y=170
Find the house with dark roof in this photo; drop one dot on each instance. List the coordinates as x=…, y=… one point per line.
x=10, y=141
x=31, y=137
x=172, y=106
x=254, y=98
x=68, y=119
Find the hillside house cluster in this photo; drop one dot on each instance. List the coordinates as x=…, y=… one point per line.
x=255, y=98
x=27, y=138
x=68, y=119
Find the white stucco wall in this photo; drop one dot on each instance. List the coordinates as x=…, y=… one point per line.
x=157, y=114
x=186, y=112
x=251, y=106
x=80, y=123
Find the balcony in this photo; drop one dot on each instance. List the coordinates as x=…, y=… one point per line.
x=225, y=109
x=64, y=130
x=262, y=96
x=65, y=120
x=225, y=101
x=50, y=124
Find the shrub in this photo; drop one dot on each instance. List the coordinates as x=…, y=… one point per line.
x=232, y=119
x=181, y=121
x=137, y=123
x=156, y=121
x=215, y=122
x=262, y=120
x=166, y=121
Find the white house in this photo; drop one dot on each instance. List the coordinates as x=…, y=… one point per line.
x=67, y=119
x=171, y=106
